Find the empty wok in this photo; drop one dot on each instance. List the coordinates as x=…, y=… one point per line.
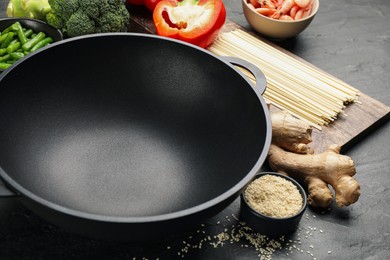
x=129, y=136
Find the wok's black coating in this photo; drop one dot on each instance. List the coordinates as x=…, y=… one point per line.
x=126, y=136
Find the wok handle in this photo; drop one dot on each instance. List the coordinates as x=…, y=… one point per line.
x=261, y=82
x=5, y=192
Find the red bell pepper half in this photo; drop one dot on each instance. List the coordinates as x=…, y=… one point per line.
x=194, y=21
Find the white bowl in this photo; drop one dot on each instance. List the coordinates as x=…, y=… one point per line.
x=277, y=29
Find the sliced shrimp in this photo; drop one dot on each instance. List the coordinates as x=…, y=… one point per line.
x=302, y=3
x=278, y=3
x=265, y=11
x=306, y=13
x=255, y=3
x=303, y=12
x=286, y=17
x=309, y=7
x=283, y=9
x=251, y=6
x=299, y=14
x=267, y=4
x=294, y=11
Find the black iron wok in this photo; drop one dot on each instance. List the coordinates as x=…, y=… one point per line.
x=129, y=136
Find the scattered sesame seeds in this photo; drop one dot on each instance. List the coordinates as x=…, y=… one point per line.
x=237, y=233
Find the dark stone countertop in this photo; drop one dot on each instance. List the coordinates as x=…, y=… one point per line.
x=350, y=40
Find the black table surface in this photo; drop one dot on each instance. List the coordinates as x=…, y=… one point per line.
x=350, y=40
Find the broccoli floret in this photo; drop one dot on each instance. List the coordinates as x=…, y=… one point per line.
x=79, y=24
x=64, y=8
x=94, y=8
x=110, y=22
x=79, y=17
x=54, y=20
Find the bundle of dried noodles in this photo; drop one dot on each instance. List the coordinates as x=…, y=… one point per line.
x=292, y=85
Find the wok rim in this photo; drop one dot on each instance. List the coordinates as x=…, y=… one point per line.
x=234, y=191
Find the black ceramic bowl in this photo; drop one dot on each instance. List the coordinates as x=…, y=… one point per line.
x=271, y=226
x=35, y=25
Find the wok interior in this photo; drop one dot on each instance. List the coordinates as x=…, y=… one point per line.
x=128, y=126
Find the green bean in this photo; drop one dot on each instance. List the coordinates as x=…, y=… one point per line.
x=17, y=55
x=42, y=43
x=22, y=37
x=3, y=51
x=7, y=40
x=28, y=45
x=4, y=65
x=16, y=42
x=5, y=57
x=28, y=33
x=13, y=27
x=13, y=41
x=3, y=37
x=17, y=27
x=13, y=47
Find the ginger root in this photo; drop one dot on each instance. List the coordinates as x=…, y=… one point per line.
x=290, y=133
x=289, y=154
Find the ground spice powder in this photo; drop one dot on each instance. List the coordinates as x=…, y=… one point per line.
x=274, y=196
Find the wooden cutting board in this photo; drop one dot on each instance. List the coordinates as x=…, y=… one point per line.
x=346, y=131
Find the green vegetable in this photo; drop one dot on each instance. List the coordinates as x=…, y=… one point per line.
x=12, y=28
x=79, y=24
x=13, y=47
x=5, y=57
x=36, y=9
x=7, y=40
x=4, y=65
x=17, y=55
x=28, y=45
x=3, y=37
x=3, y=51
x=21, y=35
x=41, y=43
x=16, y=28
x=17, y=42
x=28, y=33
x=80, y=17
x=13, y=42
